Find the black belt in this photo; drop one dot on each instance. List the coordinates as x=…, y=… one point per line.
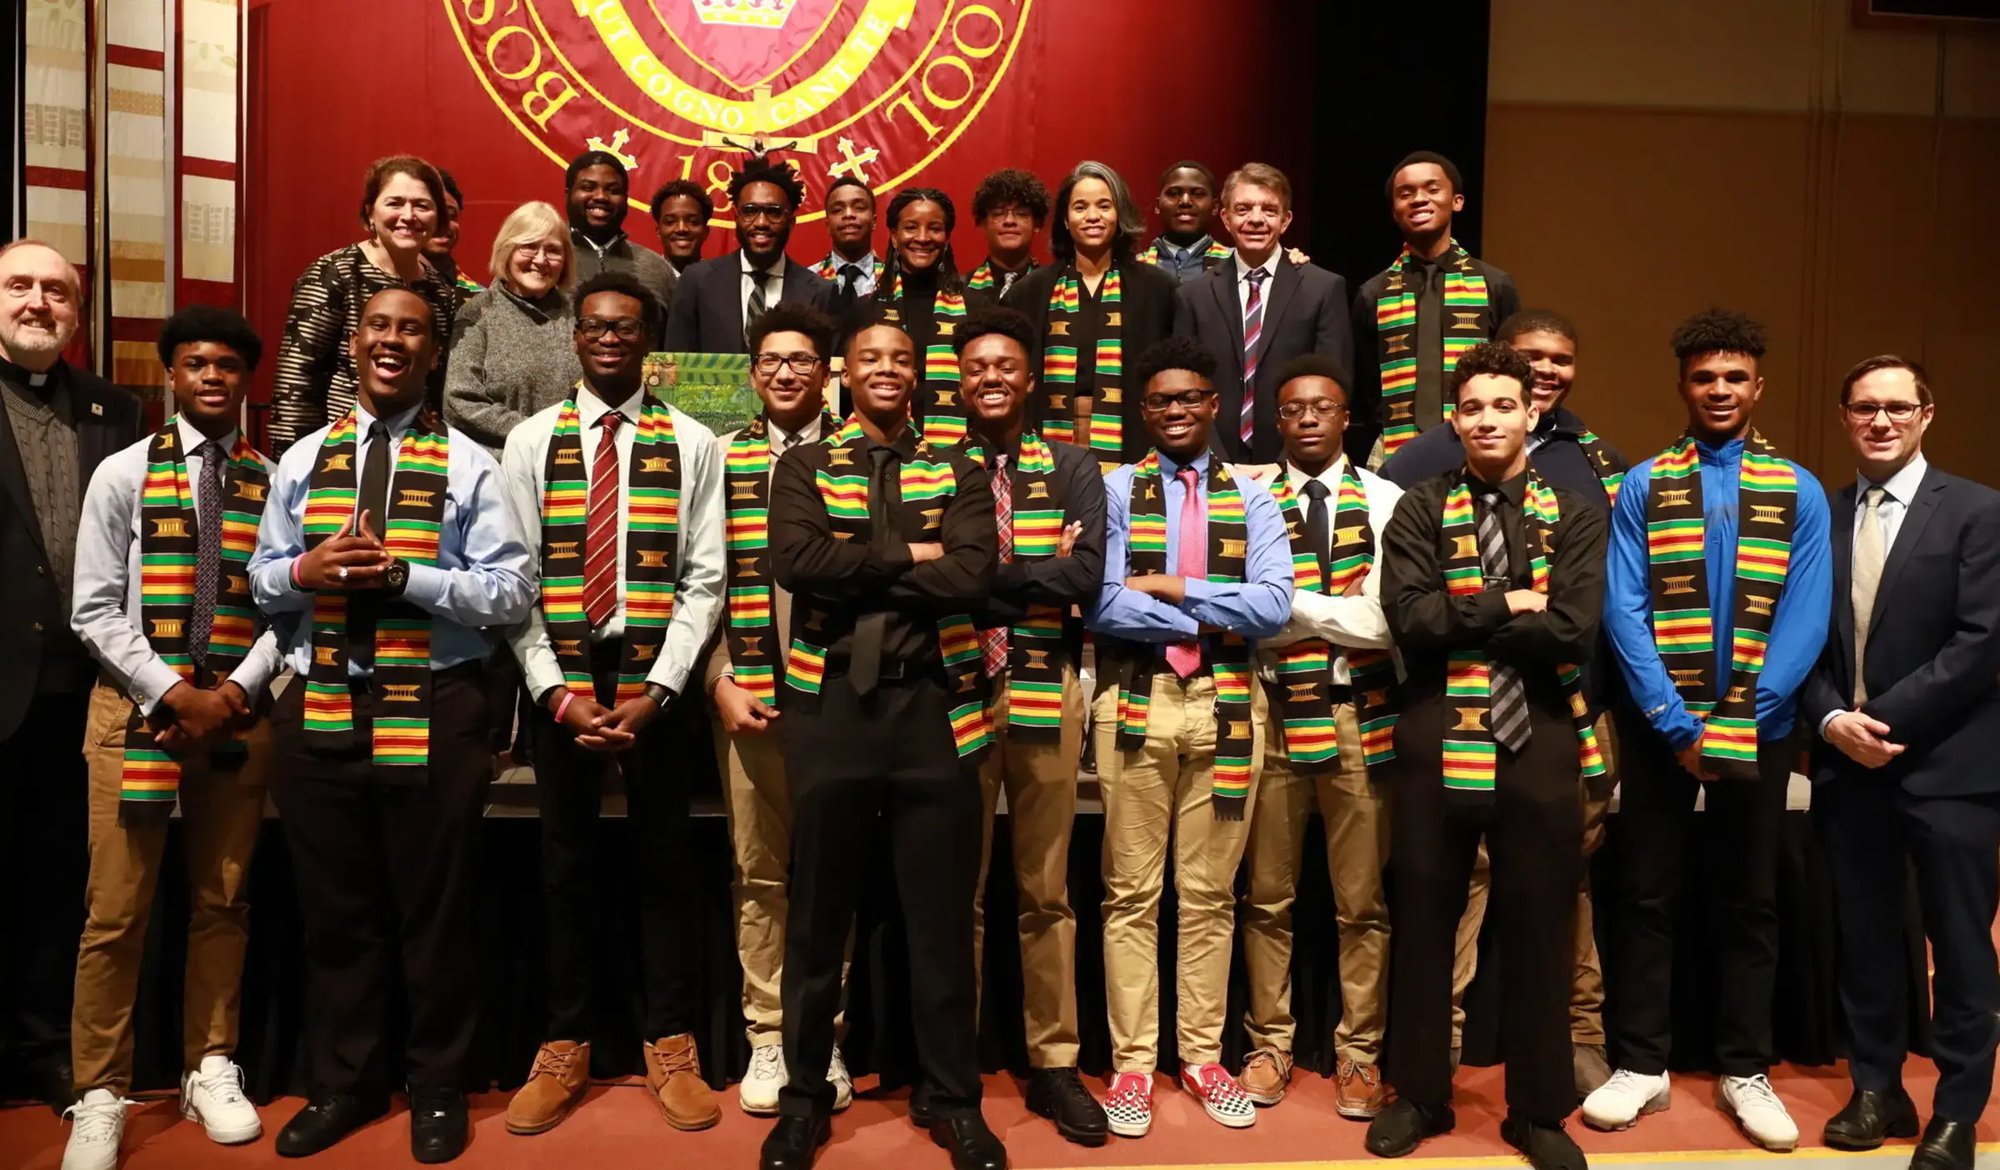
x=888, y=671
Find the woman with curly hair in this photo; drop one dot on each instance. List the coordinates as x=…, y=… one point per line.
x=920, y=289
x=719, y=300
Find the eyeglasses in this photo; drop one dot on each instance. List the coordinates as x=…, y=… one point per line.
x=531, y=250
x=1159, y=403
x=801, y=363
x=746, y=212
x=1321, y=408
x=626, y=328
x=1898, y=412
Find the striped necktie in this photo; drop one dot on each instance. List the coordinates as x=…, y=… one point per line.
x=1253, y=332
x=600, y=544
x=994, y=638
x=1508, y=714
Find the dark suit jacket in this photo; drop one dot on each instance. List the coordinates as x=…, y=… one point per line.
x=1305, y=311
x=31, y=604
x=707, y=315
x=1147, y=294
x=1933, y=657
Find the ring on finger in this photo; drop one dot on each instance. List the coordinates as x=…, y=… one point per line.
x=341, y=572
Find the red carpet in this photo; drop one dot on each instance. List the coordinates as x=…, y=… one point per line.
x=618, y=1126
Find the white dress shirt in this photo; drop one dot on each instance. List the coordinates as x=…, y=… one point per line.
x=1270, y=267
x=778, y=436
x=105, y=611
x=1356, y=621
x=1897, y=492
x=697, y=594
x=774, y=287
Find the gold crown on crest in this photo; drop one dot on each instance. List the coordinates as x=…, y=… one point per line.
x=745, y=13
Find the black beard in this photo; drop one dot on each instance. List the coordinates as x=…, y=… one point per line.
x=763, y=260
x=580, y=223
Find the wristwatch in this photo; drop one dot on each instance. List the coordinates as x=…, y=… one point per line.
x=661, y=695
x=398, y=576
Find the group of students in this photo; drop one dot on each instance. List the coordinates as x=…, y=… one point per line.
x=1409, y=588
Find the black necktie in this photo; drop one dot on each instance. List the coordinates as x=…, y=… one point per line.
x=758, y=304
x=374, y=500
x=850, y=278
x=884, y=486
x=1509, y=714
x=208, y=549
x=1431, y=374
x=1319, y=532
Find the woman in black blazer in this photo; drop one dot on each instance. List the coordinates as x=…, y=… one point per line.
x=1096, y=309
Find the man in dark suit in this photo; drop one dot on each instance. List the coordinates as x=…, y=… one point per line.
x=1258, y=312
x=57, y=424
x=718, y=299
x=1907, y=709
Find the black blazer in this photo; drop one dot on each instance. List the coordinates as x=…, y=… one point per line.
x=1305, y=311
x=1147, y=294
x=707, y=316
x=31, y=602
x=1933, y=643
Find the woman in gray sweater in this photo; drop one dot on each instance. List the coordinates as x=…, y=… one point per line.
x=513, y=352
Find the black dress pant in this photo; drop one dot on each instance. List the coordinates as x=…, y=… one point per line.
x=849, y=761
x=386, y=874
x=569, y=785
x=1874, y=832
x=45, y=863
x=1533, y=827
x=1741, y=821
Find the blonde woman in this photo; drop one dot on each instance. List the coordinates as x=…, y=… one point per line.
x=512, y=353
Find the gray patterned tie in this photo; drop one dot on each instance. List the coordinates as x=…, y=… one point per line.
x=208, y=548
x=1868, y=553
x=1509, y=714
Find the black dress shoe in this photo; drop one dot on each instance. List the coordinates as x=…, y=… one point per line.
x=1402, y=1124
x=920, y=1111
x=1546, y=1147
x=1947, y=1145
x=1059, y=1095
x=439, y=1128
x=51, y=1079
x=792, y=1143
x=972, y=1146
x=1869, y=1117
x=325, y=1120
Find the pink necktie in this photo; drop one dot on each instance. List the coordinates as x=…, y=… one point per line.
x=1185, y=657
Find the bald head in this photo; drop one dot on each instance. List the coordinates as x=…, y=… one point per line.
x=40, y=300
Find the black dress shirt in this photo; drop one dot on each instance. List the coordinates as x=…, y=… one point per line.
x=1503, y=300
x=1555, y=450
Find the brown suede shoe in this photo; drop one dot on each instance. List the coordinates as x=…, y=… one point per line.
x=1266, y=1073
x=673, y=1073
x=555, y=1086
x=1592, y=1070
x=1358, y=1091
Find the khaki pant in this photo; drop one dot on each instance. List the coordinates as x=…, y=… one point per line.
x=1040, y=781
x=1159, y=792
x=221, y=813
x=758, y=804
x=1586, y=1001
x=1356, y=813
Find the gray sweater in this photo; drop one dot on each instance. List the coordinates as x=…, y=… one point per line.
x=510, y=357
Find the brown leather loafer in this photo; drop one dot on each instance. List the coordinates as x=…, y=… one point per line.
x=1266, y=1074
x=1358, y=1091
x=555, y=1086
x=673, y=1073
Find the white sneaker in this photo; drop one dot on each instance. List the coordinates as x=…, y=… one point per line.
x=1622, y=1100
x=758, y=1094
x=100, y=1125
x=843, y=1085
x=1755, y=1106
x=213, y=1095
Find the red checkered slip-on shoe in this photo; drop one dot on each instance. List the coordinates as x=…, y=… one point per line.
x=1129, y=1104
x=1219, y=1094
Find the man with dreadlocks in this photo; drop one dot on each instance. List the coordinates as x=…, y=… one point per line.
x=718, y=300
x=1721, y=585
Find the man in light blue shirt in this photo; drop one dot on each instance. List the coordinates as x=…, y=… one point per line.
x=1197, y=566
x=381, y=781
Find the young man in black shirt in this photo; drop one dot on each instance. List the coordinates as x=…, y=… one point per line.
x=681, y=210
x=886, y=544
x=1493, y=586
x=1010, y=207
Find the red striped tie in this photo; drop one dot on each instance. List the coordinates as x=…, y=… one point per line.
x=600, y=545
x=1253, y=332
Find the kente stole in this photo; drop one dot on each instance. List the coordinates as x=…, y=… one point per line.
x=651, y=496
x=1036, y=651
x=753, y=644
x=168, y=551
x=927, y=477
x=944, y=414
x=981, y=279
x=1683, y=624
x=1059, y=365
x=1598, y=452
x=402, y=679
x=1465, y=304
x=1305, y=668
x=1214, y=254
x=1469, y=748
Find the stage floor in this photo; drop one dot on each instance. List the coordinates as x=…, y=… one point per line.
x=618, y=1126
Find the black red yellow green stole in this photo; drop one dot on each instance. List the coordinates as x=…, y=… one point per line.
x=1598, y=452
x=1036, y=651
x=753, y=645
x=1465, y=304
x=944, y=414
x=1059, y=363
x=1155, y=253
x=1683, y=626
x=1470, y=753
x=467, y=286
x=168, y=548
x=1305, y=668
x=927, y=477
x=1228, y=654
x=982, y=279
x=652, y=500
x=401, y=731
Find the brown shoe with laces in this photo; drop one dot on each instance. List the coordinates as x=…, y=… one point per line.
x=673, y=1073
x=1266, y=1073
x=1358, y=1091
x=555, y=1087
